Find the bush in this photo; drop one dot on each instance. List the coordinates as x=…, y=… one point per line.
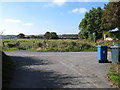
x=53, y=45
x=21, y=48
x=85, y=46
x=71, y=45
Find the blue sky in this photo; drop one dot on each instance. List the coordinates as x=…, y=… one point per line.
x=34, y=18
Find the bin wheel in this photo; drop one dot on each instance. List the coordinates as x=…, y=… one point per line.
x=99, y=61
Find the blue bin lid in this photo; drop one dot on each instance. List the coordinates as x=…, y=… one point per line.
x=102, y=46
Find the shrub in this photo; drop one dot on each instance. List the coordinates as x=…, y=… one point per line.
x=53, y=45
x=84, y=46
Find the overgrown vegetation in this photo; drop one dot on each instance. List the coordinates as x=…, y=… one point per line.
x=114, y=74
x=7, y=67
x=57, y=45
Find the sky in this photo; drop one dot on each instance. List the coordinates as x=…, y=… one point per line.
x=34, y=18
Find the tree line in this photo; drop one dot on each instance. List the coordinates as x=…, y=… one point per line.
x=99, y=20
x=47, y=35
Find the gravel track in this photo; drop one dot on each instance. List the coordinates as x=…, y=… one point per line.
x=59, y=70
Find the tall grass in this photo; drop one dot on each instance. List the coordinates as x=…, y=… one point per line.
x=56, y=45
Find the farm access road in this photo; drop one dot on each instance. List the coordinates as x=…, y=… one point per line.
x=58, y=70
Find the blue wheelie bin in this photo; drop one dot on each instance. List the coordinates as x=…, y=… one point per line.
x=102, y=53
x=115, y=53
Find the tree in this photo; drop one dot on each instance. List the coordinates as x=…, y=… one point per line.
x=33, y=36
x=21, y=35
x=83, y=34
x=54, y=35
x=115, y=35
x=90, y=25
x=47, y=35
x=40, y=36
x=111, y=18
x=50, y=35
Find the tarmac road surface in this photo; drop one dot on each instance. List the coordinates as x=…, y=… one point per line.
x=58, y=70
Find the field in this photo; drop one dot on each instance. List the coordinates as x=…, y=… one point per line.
x=53, y=45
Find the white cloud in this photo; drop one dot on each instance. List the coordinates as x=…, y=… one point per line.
x=79, y=10
x=27, y=24
x=17, y=21
x=12, y=20
x=55, y=3
x=59, y=2
x=75, y=10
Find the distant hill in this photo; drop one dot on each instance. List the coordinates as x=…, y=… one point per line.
x=14, y=36
x=62, y=36
x=8, y=36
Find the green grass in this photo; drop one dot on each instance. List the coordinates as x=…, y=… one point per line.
x=114, y=74
x=7, y=66
x=56, y=45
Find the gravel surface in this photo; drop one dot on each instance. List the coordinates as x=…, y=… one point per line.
x=59, y=70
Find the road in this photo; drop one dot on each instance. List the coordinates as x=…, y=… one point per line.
x=58, y=70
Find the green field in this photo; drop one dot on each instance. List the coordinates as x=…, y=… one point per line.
x=54, y=45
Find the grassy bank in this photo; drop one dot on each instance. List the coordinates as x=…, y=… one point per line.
x=114, y=74
x=55, y=45
x=7, y=66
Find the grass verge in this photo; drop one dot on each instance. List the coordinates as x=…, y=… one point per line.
x=114, y=74
x=7, y=67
